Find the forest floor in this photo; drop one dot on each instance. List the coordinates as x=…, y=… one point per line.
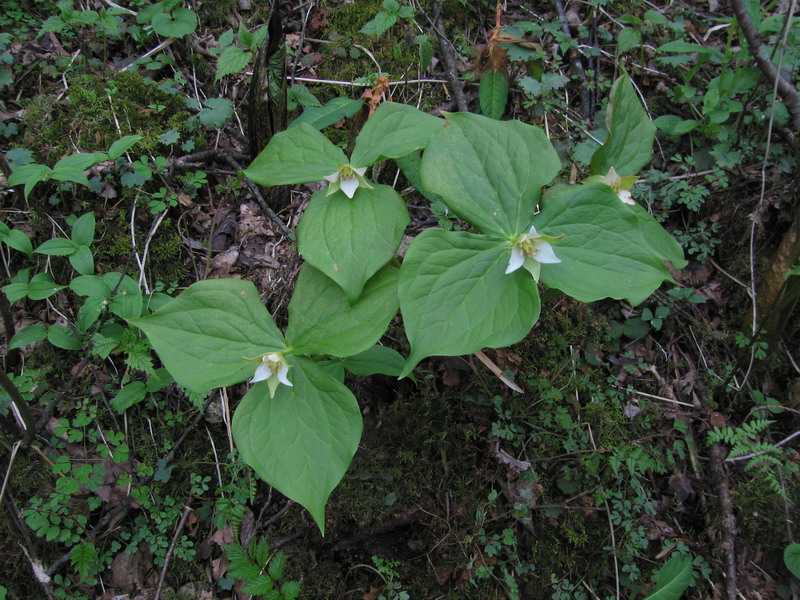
x=641, y=433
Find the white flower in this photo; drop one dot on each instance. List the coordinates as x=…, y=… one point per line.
x=531, y=250
x=348, y=179
x=274, y=369
x=620, y=185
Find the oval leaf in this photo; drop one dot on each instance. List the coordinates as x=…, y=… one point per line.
x=28, y=335
x=673, y=578
x=334, y=110
x=131, y=394
x=456, y=298
x=301, y=441
x=205, y=335
x=493, y=94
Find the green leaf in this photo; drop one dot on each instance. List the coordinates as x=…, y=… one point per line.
x=82, y=260
x=290, y=590
x=393, y=131
x=379, y=24
x=456, y=298
x=30, y=175
x=609, y=249
x=791, y=557
x=90, y=285
x=216, y=113
x=232, y=60
x=205, y=335
x=259, y=585
x=333, y=111
x=674, y=125
x=131, y=394
x=298, y=155
x=42, y=286
x=19, y=241
x=80, y=161
x=181, y=22
x=84, y=559
x=322, y=321
x=68, y=174
x=629, y=144
x=122, y=145
x=378, y=359
x=57, y=247
x=493, y=94
x=301, y=441
x=673, y=578
x=299, y=95
x=63, y=337
x=89, y=313
x=28, y=335
x=484, y=171
x=276, y=565
x=127, y=302
x=350, y=239
x=628, y=39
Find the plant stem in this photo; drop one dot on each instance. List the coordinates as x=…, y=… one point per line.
x=21, y=404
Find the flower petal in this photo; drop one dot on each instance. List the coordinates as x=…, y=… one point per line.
x=626, y=197
x=533, y=267
x=283, y=371
x=262, y=372
x=545, y=254
x=332, y=177
x=516, y=260
x=360, y=170
x=532, y=233
x=349, y=186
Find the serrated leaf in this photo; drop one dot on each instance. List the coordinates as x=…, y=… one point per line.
x=298, y=155
x=276, y=565
x=456, y=298
x=258, y=585
x=259, y=550
x=333, y=111
x=181, y=22
x=299, y=95
x=379, y=24
x=322, y=321
x=629, y=144
x=290, y=590
x=301, y=441
x=232, y=60
x=131, y=394
x=493, y=94
x=28, y=335
x=673, y=578
x=609, y=249
x=350, y=239
x=482, y=168
x=216, y=113
x=628, y=39
x=205, y=335
x=393, y=131
x=84, y=559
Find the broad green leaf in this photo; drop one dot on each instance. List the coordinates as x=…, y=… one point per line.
x=19, y=241
x=63, y=337
x=42, y=286
x=322, y=321
x=122, y=145
x=673, y=578
x=791, y=557
x=334, y=110
x=490, y=173
x=232, y=60
x=350, y=239
x=181, y=22
x=68, y=174
x=205, y=335
x=127, y=302
x=28, y=335
x=298, y=155
x=57, y=247
x=159, y=380
x=410, y=166
x=674, y=125
x=15, y=291
x=26, y=173
x=80, y=161
x=629, y=144
x=493, y=94
x=393, y=131
x=131, y=394
x=628, y=39
x=378, y=359
x=301, y=441
x=90, y=285
x=681, y=47
x=82, y=260
x=456, y=298
x=89, y=313
x=609, y=249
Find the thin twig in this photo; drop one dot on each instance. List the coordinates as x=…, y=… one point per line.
x=448, y=58
x=728, y=518
x=186, y=510
x=498, y=372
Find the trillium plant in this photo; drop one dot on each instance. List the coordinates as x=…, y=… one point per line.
x=298, y=425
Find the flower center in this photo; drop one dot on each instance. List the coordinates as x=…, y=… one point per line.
x=346, y=172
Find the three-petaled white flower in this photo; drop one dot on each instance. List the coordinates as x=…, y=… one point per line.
x=348, y=179
x=621, y=185
x=531, y=250
x=274, y=369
